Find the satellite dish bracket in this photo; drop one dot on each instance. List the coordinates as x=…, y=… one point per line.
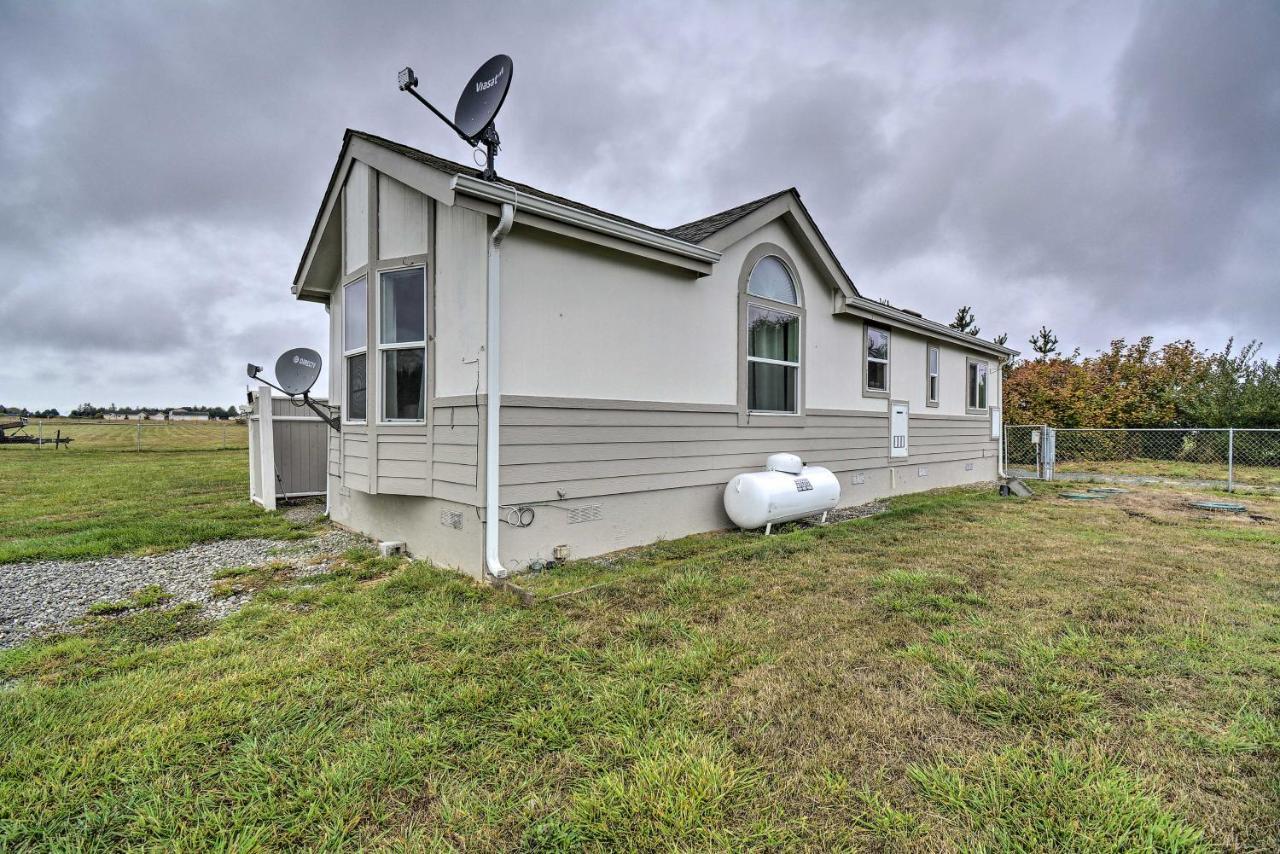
x=410, y=87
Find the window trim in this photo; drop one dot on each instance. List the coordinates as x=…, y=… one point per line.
x=379, y=369
x=351, y=279
x=969, y=362
x=867, y=390
x=934, y=400
x=762, y=418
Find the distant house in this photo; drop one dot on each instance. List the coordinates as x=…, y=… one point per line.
x=188, y=415
x=152, y=416
x=114, y=416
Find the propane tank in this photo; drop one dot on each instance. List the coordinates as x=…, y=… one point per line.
x=789, y=490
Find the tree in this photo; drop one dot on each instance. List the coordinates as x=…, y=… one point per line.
x=1044, y=342
x=1001, y=339
x=965, y=321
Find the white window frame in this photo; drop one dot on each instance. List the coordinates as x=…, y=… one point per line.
x=347, y=353
x=972, y=403
x=379, y=371
x=867, y=360
x=932, y=374
x=790, y=311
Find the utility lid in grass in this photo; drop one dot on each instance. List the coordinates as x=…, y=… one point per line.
x=1219, y=506
x=1108, y=490
x=1080, y=496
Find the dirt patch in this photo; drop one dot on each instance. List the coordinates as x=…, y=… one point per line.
x=1174, y=507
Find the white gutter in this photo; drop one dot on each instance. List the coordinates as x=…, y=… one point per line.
x=502, y=194
x=493, y=393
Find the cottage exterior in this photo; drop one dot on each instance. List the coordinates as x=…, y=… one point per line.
x=639, y=368
x=188, y=415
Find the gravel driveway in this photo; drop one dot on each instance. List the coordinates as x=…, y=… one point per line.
x=46, y=595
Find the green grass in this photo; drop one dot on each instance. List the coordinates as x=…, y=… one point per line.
x=959, y=673
x=76, y=503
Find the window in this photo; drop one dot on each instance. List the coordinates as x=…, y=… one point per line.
x=355, y=331
x=402, y=343
x=931, y=375
x=977, y=386
x=877, y=347
x=773, y=339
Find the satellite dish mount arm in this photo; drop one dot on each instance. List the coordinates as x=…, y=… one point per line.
x=409, y=83
x=326, y=414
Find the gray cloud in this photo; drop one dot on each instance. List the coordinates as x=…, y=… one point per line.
x=1107, y=168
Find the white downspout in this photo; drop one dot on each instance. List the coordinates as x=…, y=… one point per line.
x=493, y=394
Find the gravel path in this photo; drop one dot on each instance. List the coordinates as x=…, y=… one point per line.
x=47, y=595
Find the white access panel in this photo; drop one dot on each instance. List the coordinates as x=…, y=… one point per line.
x=898, y=418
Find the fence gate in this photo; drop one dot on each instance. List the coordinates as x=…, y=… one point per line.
x=288, y=449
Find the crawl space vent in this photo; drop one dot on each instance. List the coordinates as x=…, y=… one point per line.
x=585, y=513
x=451, y=519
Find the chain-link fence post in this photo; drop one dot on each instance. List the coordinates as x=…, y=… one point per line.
x=39, y=434
x=1231, y=458
x=137, y=437
x=1049, y=456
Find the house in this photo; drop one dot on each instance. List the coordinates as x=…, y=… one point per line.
x=115, y=416
x=639, y=368
x=188, y=415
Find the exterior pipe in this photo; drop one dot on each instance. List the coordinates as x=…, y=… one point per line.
x=493, y=393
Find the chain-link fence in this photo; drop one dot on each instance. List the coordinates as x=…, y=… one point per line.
x=91, y=433
x=1204, y=456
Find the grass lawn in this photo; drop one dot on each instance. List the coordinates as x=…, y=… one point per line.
x=1175, y=470
x=961, y=672
x=78, y=503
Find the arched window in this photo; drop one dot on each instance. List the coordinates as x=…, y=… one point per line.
x=773, y=316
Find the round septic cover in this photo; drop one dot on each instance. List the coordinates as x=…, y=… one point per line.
x=1080, y=496
x=1220, y=506
x=483, y=96
x=297, y=370
x=1108, y=490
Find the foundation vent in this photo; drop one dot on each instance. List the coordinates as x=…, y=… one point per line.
x=968, y=466
x=922, y=471
x=584, y=513
x=451, y=519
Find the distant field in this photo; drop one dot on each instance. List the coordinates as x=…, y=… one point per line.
x=140, y=435
x=81, y=502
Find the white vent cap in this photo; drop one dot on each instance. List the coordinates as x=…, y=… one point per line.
x=789, y=463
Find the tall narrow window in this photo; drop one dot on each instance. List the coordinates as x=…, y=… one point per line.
x=877, y=373
x=931, y=375
x=402, y=342
x=773, y=339
x=977, y=386
x=355, y=333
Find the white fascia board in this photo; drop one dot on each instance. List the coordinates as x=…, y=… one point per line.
x=872, y=310
x=500, y=193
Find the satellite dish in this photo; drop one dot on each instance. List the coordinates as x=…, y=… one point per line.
x=478, y=105
x=482, y=97
x=297, y=370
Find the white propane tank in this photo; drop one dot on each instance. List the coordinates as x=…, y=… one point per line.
x=789, y=490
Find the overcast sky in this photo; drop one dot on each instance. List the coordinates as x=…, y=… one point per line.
x=1110, y=169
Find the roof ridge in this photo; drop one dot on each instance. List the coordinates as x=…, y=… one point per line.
x=699, y=229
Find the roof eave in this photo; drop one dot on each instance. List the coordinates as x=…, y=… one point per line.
x=692, y=256
x=870, y=309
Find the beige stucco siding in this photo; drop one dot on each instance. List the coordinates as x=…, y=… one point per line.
x=459, y=300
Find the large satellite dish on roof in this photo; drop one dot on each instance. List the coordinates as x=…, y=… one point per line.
x=478, y=106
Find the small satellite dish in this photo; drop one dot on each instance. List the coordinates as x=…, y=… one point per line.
x=297, y=370
x=483, y=96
